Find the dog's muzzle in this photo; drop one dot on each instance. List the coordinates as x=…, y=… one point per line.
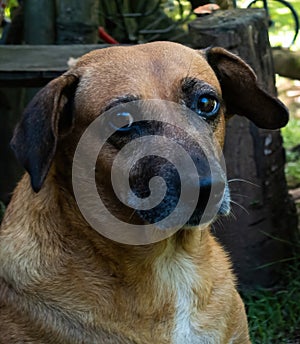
x=213, y=196
x=194, y=188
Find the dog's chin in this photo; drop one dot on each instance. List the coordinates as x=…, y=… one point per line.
x=202, y=217
x=194, y=226
x=203, y=223
x=203, y=220
x=198, y=220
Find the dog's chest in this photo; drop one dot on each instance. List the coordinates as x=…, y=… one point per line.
x=177, y=277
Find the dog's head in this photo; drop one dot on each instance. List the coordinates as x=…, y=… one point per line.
x=214, y=84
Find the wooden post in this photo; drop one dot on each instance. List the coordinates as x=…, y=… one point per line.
x=77, y=21
x=251, y=236
x=39, y=21
x=11, y=100
x=39, y=28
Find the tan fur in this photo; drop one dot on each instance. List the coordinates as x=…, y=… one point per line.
x=62, y=282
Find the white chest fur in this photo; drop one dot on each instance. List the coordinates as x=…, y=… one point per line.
x=177, y=275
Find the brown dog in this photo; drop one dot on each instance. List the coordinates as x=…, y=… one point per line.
x=62, y=281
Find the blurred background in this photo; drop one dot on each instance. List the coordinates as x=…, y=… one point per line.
x=267, y=261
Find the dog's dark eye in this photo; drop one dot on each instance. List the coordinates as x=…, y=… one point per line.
x=122, y=121
x=207, y=106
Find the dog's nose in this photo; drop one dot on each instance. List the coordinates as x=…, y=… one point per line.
x=211, y=188
x=212, y=191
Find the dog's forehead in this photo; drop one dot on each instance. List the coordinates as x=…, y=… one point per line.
x=149, y=71
x=152, y=59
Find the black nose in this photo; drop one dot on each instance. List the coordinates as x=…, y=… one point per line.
x=140, y=186
x=211, y=192
x=211, y=188
x=210, y=198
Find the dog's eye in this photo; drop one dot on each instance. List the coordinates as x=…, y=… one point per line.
x=207, y=106
x=122, y=121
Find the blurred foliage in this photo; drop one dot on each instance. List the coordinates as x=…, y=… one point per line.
x=11, y=4
x=134, y=21
x=291, y=137
x=282, y=28
x=8, y=10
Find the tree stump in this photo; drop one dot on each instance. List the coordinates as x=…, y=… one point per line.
x=77, y=21
x=264, y=213
x=287, y=63
x=38, y=28
x=39, y=21
x=11, y=105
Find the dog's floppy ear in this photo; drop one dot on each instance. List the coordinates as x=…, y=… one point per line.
x=47, y=115
x=241, y=92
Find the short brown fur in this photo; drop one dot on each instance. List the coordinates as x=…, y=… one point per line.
x=60, y=280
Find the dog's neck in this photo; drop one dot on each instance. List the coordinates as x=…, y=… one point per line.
x=59, y=208
x=162, y=276
x=186, y=240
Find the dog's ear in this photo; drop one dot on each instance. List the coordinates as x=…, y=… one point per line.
x=241, y=92
x=48, y=115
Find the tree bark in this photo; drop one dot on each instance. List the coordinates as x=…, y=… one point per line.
x=39, y=18
x=39, y=28
x=11, y=105
x=77, y=21
x=10, y=109
x=264, y=214
x=287, y=63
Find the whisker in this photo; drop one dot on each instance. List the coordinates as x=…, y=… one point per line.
x=239, y=195
x=218, y=223
x=243, y=181
x=232, y=215
x=240, y=206
x=131, y=216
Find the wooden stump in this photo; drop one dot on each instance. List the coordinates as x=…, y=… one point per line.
x=77, y=21
x=39, y=21
x=38, y=28
x=11, y=105
x=287, y=63
x=265, y=214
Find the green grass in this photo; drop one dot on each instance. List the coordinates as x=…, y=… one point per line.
x=273, y=315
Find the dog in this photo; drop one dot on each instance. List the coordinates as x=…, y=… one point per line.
x=61, y=281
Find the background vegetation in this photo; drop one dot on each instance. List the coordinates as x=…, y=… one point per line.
x=274, y=313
